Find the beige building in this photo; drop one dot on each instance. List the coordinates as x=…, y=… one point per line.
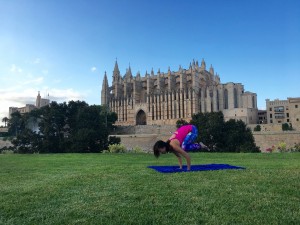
x=284, y=111
x=262, y=116
x=40, y=102
x=163, y=98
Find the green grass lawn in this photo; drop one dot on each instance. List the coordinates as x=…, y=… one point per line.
x=120, y=189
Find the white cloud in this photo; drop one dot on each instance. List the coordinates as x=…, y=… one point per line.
x=15, y=69
x=34, y=81
x=56, y=81
x=93, y=69
x=37, y=61
x=65, y=95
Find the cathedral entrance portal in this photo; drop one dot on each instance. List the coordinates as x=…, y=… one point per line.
x=141, y=118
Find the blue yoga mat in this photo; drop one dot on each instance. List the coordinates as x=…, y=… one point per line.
x=175, y=169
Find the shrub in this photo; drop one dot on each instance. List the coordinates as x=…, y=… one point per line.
x=6, y=151
x=271, y=149
x=257, y=128
x=286, y=126
x=114, y=140
x=137, y=149
x=117, y=148
x=282, y=147
x=296, y=148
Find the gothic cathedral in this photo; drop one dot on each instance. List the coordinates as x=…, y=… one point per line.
x=164, y=98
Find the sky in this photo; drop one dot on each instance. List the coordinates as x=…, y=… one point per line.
x=62, y=48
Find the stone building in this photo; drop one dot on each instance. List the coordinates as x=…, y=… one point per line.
x=163, y=98
x=262, y=116
x=284, y=111
x=40, y=102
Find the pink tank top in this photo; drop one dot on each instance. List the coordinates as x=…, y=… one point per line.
x=181, y=133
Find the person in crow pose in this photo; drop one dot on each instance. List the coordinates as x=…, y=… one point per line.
x=180, y=143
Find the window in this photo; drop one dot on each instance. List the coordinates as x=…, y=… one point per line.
x=297, y=119
x=271, y=109
x=287, y=115
x=296, y=106
x=225, y=99
x=235, y=98
x=271, y=116
x=271, y=121
x=288, y=120
x=279, y=116
x=253, y=102
x=279, y=109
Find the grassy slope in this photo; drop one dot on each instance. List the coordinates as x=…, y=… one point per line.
x=120, y=189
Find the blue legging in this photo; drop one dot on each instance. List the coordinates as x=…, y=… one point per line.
x=188, y=142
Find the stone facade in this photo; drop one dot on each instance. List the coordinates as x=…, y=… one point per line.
x=284, y=111
x=163, y=98
x=262, y=116
x=40, y=102
x=27, y=108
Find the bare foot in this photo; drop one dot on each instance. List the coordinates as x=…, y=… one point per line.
x=203, y=146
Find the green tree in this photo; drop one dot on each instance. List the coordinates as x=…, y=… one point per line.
x=238, y=138
x=15, y=123
x=221, y=136
x=5, y=120
x=90, y=134
x=26, y=142
x=210, y=127
x=51, y=128
x=72, y=127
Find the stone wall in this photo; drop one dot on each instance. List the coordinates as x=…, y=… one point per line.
x=143, y=136
x=144, y=141
x=266, y=140
x=146, y=136
x=4, y=143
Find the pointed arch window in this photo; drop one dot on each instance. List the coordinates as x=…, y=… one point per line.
x=226, y=99
x=235, y=98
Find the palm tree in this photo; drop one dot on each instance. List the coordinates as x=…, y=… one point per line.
x=5, y=120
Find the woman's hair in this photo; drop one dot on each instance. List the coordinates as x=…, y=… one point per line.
x=160, y=144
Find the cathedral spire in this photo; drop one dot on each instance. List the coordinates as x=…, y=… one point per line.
x=203, y=65
x=105, y=90
x=116, y=72
x=211, y=70
x=128, y=73
x=116, y=66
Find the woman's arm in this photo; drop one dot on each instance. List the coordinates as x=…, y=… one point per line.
x=179, y=160
x=176, y=147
